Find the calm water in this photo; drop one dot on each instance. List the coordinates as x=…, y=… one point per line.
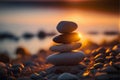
x=21, y=20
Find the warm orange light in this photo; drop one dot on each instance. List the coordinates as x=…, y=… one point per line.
x=80, y=35
x=75, y=0
x=83, y=40
x=86, y=73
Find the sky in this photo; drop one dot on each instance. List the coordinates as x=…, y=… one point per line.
x=104, y=11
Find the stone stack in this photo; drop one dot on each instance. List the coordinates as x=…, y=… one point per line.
x=67, y=44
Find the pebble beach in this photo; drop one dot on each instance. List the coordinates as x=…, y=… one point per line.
x=65, y=62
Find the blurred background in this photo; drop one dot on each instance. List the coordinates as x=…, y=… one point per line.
x=31, y=24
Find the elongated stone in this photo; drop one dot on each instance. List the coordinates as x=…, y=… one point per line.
x=65, y=47
x=67, y=58
x=67, y=38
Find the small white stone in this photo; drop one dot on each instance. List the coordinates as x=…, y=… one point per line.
x=67, y=76
x=67, y=58
x=65, y=47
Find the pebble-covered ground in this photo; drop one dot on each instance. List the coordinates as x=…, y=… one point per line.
x=100, y=64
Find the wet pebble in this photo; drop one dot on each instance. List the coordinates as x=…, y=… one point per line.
x=109, y=69
x=112, y=53
x=94, y=53
x=36, y=76
x=42, y=73
x=100, y=55
x=17, y=70
x=17, y=66
x=30, y=63
x=98, y=65
x=109, y=58
x=99, y=60
x=101, y=50
x=86, y=61
x=116, y=49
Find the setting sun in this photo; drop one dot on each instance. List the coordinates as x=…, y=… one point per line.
x=82, y=39
x=80, y=35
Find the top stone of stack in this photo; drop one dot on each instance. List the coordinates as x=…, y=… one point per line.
x=66, y=26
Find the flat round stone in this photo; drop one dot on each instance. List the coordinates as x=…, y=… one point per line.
x=98, y=65
x=66, y=26
x=65, y=47
x=101, y=60
x=67, y=58
x=67, y=38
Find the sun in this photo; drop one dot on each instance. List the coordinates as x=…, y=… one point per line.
x=80, y=35
x=83, y=39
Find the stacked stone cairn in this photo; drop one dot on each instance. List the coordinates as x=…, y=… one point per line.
x=67, y=57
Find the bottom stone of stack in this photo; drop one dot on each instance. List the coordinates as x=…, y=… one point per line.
x=67, y=58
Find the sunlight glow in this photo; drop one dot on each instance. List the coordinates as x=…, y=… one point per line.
x=86, y=73
x=80, y=35
x=83, y=40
